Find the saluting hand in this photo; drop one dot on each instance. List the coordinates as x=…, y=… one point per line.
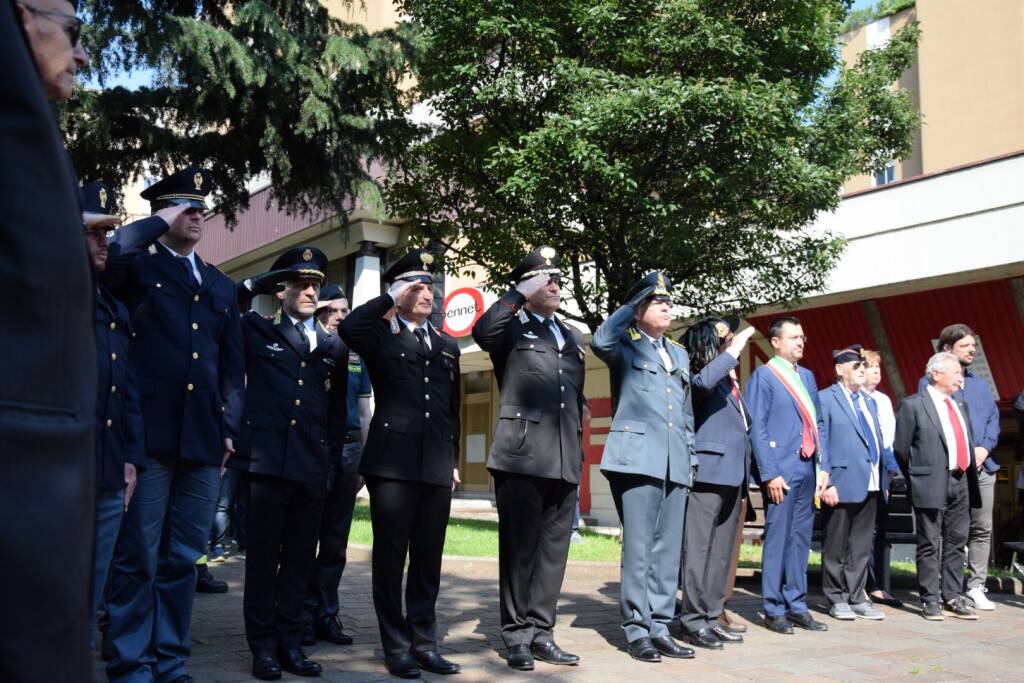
x=533, y=284
x=99, y=220
x=130, y=480
x=740, y=340
x=170, y=213
x=401, y=288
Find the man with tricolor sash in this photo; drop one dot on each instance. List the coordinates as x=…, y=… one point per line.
x=788, y=437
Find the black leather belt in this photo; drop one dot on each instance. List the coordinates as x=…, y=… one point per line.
x=957, y=474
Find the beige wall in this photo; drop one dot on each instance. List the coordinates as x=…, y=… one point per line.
x=968, y=82
x=373, y=14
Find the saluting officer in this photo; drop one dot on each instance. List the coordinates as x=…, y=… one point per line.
x=187, y=354
x=536, y=454
x=649, y=460
x=292, y=419
x=119, y=448
x=411, y=457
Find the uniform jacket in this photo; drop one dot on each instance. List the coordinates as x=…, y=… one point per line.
x=540, y=413
x=848, y=451
x=414, y=433
x=187, y=351
x=920, y=449
x=652, y=422
x=119, y=435
x=723, y=436
x=776, y=428
x=293, y=411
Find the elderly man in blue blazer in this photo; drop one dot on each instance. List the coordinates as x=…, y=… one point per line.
x=790, y=442
x=861, y=470
x=648, y=460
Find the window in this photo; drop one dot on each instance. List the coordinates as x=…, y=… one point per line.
x=886, y=175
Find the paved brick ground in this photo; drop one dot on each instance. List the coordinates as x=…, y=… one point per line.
x=903, y=647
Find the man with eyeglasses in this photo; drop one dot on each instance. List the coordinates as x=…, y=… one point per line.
x=187, y=353
x=53, y=32
x=790, y=443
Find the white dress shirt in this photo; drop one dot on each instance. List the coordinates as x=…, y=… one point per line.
x=863, y=408
x=939, y=399
x=191, y=256
x=659, y=344
x=559, y=339
x=309, y=326
x=886, y=417
x=413, y=327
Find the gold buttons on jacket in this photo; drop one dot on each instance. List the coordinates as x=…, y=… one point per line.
x=195, y=298
x=298, y=402
x=113, y=356
x=110, y=423
x=195, y=326
x=669, y=390
x=113, y=388
x=113, y=326
x=561, y=405
x=190, y=386
x=427, y=414
x=626, y=428
x=427, y=397
x=426, y=379
x=195, y=356
x=302, y=364
x=300, y=382
x=292, y=423
x=427, y=363
x=669, y=424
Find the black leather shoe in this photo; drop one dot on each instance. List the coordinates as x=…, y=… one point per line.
x=519, y=658
x=435, y=663
x=331, y=630
x=729, y=624
x=958, y=608
x=552, y=654
x=805, y=621
x=777, y=624
x=265, y=666
x=205, y=583
x=402, y=666
x=643, y=650
x=725, y=636
x=932, y=611
x=671, y=648
x=703, y=638
x=308, y=634
x=295, y=662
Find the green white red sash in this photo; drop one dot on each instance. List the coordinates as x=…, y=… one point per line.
x=787, y=375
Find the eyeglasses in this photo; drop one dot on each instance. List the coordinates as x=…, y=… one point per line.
x=74, y=30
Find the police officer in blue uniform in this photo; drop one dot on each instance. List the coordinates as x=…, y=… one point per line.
x=649, y=460
x=411, y=457
x=292, y=419
x=343, y=483
x=537, y=452
x=119, y=447
x=187, y=354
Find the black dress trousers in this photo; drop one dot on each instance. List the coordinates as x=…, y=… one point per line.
x=846, y=549
x=941, y=537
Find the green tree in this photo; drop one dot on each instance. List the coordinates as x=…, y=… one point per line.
x=282, y=89
x=697, y=136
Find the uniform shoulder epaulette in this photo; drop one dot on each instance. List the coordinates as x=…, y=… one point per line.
x=321, y=326
x=152, y=249
x=634, y=334
x=395, y=327
x=523, y=317
x=673, y=341
x=277, y=317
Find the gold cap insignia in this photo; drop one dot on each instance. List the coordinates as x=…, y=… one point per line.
x=103, y=198
x=722, y=329
x=307, y=255
x=426, y=258
x=547, y=253
x=198, y=180
x=661, y=281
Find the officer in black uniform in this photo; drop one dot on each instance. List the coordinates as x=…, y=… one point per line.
x=411, y=457
x=119, y=447
x=536, y=454
x=187, y=354
x=293, y=418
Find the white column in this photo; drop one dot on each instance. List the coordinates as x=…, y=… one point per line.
x=367, y=276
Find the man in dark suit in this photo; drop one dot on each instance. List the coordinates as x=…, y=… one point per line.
x=292, y=420
x=648, y=460
x=862, y=469
x=47, y=396
x=187, y=353
x=790, y=443
x=119, y=435
x=536, y=454
x=721, y=423
x=934, y=448
x=411, y=457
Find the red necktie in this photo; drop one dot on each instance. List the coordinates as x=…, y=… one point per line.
x=807, y=444
x=961, y=440
x=736, y=391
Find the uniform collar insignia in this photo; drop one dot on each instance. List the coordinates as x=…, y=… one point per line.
x=524, y=317
x=277, y=317
x=634, y=334
x=152, y=250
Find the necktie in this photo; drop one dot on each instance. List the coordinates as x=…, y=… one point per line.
x=421, y=338
x=961, y=439
x=659, y=346
x=549, y=325
x=183, y=260
x=869, y=433
x=303, y=338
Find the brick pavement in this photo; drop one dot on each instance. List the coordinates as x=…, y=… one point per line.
x=904, y=647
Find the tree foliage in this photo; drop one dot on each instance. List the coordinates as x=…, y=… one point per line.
x=701, y=137
x=279, y=89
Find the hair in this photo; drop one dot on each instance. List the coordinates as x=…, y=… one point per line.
x=871, y=357
x=775, y=328
x=936, y=361
x=702, y=343
x=951, y=334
